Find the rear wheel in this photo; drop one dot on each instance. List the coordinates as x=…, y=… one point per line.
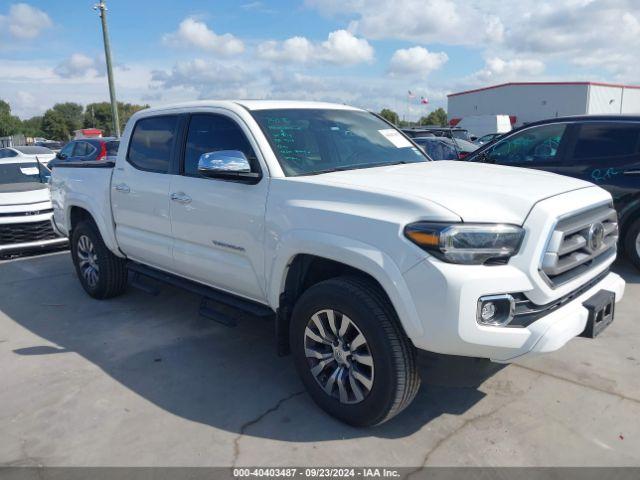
x=101, y=273
x=350, y=352
x=632, y=243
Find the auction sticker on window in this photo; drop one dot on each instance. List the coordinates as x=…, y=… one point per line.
x=29, y=170
x=395, y=137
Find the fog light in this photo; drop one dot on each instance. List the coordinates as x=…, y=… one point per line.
x=495, y=310
x=488, y=311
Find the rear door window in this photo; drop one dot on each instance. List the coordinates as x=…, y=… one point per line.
x=152, y=143
x=81, y=149
x=606, y=141
x=112, y=148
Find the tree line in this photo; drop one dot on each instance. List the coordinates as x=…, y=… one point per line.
x=437, y=117
x=59, y=122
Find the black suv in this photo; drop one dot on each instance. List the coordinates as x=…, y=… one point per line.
x=604, y=150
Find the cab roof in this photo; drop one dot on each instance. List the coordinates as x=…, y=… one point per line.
x=254, y=105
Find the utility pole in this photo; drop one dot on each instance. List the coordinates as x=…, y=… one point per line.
x=102, y=9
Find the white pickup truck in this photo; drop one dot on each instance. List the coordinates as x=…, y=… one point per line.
x=335, y=224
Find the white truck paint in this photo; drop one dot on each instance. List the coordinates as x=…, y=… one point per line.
x=242, y=238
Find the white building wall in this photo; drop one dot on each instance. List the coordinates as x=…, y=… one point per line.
x=604, y=100
x=528, y=103
x=631, y=100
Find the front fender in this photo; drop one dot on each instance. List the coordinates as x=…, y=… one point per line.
x=350, y=252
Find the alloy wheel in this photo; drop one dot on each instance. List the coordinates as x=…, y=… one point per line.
x=339, y=356
x=88, y=261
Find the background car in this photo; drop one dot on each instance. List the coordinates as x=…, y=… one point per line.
x=87, y=149
x=32, y=153
x=25, y=207
x=488, y=138
x=449, y=132
x=51, y=145
x=604, y=150
x=443, y=148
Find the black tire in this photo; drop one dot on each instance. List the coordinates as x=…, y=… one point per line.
x=396, y=380
x=112, y=270
x=631, y=246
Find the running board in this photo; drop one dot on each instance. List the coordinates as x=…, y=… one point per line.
x=138, y=281
x=209, y=294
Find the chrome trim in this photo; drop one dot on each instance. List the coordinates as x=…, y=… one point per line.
x=39, y=243
x=567, y=254
x=493, y=298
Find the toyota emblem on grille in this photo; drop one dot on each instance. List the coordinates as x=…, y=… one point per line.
x=595, y=239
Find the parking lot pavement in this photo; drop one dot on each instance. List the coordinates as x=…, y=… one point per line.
x=145, y=380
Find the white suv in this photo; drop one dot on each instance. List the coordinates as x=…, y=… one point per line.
x=334, y=223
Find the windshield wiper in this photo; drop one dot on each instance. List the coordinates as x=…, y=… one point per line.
x=352, y=167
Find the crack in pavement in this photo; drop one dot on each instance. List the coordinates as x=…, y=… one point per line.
x=259, y=418
x=462, y=426
x=444, y=439
x=575, y=382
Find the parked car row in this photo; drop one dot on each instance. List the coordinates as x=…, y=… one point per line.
x=25, y=204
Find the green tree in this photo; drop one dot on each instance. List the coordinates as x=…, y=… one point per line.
x=390, y=116
x=32, y=127
x=72, y=114
x=54, y=126
x=9, y=124
x=98, y=115
x=437, y=117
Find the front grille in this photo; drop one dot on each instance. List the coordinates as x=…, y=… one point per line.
x=26, y=232
x=580, y=243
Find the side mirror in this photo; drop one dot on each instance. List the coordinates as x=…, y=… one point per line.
x=473, y=138
x=227, y=164
x=61, y=156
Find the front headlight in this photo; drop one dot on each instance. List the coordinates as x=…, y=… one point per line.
x=467, y=243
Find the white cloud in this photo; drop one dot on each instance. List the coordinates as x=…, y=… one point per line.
x=25, y=22
x=340, y=48
x=598, y=37
x=201, y=75
x=416, y=61
x=454, y=22
x=80, y=65
x=194, y=33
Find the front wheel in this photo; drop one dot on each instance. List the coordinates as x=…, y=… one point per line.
x=632, y=243
x=101, y=273
x=350, y=352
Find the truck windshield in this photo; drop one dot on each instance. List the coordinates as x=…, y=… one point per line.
x=314, y=141
x=11, y=173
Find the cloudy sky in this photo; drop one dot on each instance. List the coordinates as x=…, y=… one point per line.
x=364, y=52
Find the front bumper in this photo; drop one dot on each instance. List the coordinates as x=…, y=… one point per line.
x=447, y=310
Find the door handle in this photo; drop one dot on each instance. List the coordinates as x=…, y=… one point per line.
x=632, y=172
x=180, y=197
x=122, y=187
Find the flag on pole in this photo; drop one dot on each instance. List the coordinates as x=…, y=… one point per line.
x=424, y=101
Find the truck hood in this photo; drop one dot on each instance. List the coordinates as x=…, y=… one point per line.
x=23, y=193
x=475, y=192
